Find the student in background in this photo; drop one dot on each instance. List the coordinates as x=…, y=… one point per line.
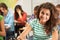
x=44, y=26
x=20, y=18
x=58, y=9
x=8, y=21
x=33, y=16
x=2, y=28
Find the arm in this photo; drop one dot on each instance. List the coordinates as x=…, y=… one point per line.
x=55, y=35
x=2, y=32
x=25, y=32
x=23, y=18
x=15, y=21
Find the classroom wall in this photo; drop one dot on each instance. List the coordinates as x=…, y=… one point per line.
x=27, y=5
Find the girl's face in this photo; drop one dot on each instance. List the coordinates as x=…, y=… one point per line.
x=18, y=10
x=44, y=15
x=58, y=9
x=2, y=9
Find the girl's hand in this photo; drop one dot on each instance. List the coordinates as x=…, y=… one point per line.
x=19, y=38
x=15, y=21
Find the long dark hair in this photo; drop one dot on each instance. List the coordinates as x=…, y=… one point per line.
x=16, y=14
x=1, y=13
x=51, y=23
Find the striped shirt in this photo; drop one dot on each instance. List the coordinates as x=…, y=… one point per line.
x=38, y=30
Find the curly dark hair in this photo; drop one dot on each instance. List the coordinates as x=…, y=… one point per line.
x=1, y=13
x=36, y=7
x=58, y=5
x=16, y=14
x=4, y=6
x=52, y=22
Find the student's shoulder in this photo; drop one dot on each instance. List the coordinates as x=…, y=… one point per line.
x=33, y=23
x=34, y=20
x=1, y=17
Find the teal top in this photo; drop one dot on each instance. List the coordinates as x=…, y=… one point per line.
x=1, y=17
x=38, y=30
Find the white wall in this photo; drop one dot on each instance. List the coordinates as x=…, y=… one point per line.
x=38, y=2
x=28, y=5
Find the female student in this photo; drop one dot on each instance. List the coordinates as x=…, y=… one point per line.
x=20, y=18
x=44, y=26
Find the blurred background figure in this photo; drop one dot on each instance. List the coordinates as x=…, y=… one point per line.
x=34, y=15
x=8, y=21
x=20, y=18
x=2, y=28
x=58, y=9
